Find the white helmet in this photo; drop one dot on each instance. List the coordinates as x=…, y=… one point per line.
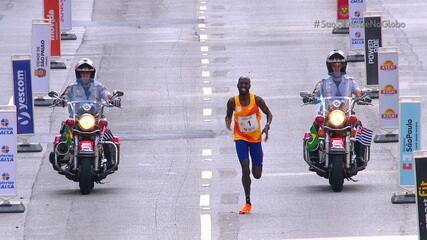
x=85, y=65
x=336, y=56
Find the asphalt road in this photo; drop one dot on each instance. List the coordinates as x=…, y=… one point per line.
x=178, y=63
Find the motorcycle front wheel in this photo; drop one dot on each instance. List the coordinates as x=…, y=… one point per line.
x=85, y=176
x=336, y=174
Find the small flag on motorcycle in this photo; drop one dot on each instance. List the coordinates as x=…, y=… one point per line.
x=364, y=136
x=107, y=136
x=313, y=141
x=68, y=136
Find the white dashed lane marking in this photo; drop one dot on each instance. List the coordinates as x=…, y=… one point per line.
x=207, y=111
x=206, y=174
x=207, y=152
x=205, y=227
x=204, y=200
x=206, y=74
x=207, y=91
x=203, y=37
x=205, y=219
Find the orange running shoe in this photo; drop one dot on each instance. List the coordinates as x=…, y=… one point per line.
x=246, y=209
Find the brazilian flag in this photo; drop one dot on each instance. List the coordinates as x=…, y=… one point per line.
x=68, y=136
x=313, y=141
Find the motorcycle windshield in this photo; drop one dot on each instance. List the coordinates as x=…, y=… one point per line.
x=77, y=108
x=328, y=104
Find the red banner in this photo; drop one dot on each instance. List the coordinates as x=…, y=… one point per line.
x=342, y=9
x=51, y=12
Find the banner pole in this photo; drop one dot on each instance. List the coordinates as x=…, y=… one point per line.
x=388, y=80
x=409, y=142
x=356, y=30
x=420, y=158
x=52, y=12
x=23, y=99
x=8, y=160
x=66, y=20
x=40, y=61
x=342, y=18
x=373, y=41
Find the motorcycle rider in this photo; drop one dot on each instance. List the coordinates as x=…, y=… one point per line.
x=87, y=88
x=337, y=84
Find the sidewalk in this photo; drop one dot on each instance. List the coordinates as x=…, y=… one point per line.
x=15, y=38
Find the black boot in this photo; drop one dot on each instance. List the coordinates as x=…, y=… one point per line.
x=314, y=158
x=359, y=150
x=52, y=158
x=109, y=154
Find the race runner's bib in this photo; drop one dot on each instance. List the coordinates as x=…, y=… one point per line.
x=248, y=123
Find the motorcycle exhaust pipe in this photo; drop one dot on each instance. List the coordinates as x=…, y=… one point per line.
x=62, y=149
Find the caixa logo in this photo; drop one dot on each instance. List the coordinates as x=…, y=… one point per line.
x=5, y=176
x=5, y=128
x=4, y=122
x=5, y=149
x=24, y=117
x=6, y=155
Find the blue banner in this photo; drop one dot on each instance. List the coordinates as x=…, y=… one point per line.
x=23, y=96
x=410, y=140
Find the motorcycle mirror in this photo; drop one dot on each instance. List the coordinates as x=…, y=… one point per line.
x=368, y=99
x=304, y=94
x=52, y=94
x=366, y=90
x=118, y=93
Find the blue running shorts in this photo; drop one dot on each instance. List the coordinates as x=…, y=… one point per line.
x=243, y=148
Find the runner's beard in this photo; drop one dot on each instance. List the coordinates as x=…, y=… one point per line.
x=243, y=91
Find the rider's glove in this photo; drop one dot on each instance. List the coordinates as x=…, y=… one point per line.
x=307, y=99
x=59, y=102
x=117, y=102
x=367, y=99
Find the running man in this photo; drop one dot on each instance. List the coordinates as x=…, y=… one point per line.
x=248, y=133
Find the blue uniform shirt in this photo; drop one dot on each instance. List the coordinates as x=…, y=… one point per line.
x=95, y=91
x=343, y=86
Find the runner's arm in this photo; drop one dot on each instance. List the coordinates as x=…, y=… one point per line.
x=229, y=115
x=261, y=104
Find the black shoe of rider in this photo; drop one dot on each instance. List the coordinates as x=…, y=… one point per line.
x=110, y=165
x=312, y=169
x=52, y=158
x=360, y=162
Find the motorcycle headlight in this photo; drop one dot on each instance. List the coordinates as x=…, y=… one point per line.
x=86, y=121
x=336, y=118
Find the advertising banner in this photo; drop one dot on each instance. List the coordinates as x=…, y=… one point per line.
x=388, y=75
x=22, y=93
x=342, y=9
x=420, y=158
x=357, y=30
x=51, y=12
x=8, y=142
x=40, y=53
x=410, y=138
x=373, y=40
x=66, y=18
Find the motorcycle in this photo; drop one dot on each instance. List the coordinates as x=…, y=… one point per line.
x=81, y=152
x=334, y=155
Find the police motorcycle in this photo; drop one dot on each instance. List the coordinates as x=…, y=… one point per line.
x=81, y=152
x=333, y=155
